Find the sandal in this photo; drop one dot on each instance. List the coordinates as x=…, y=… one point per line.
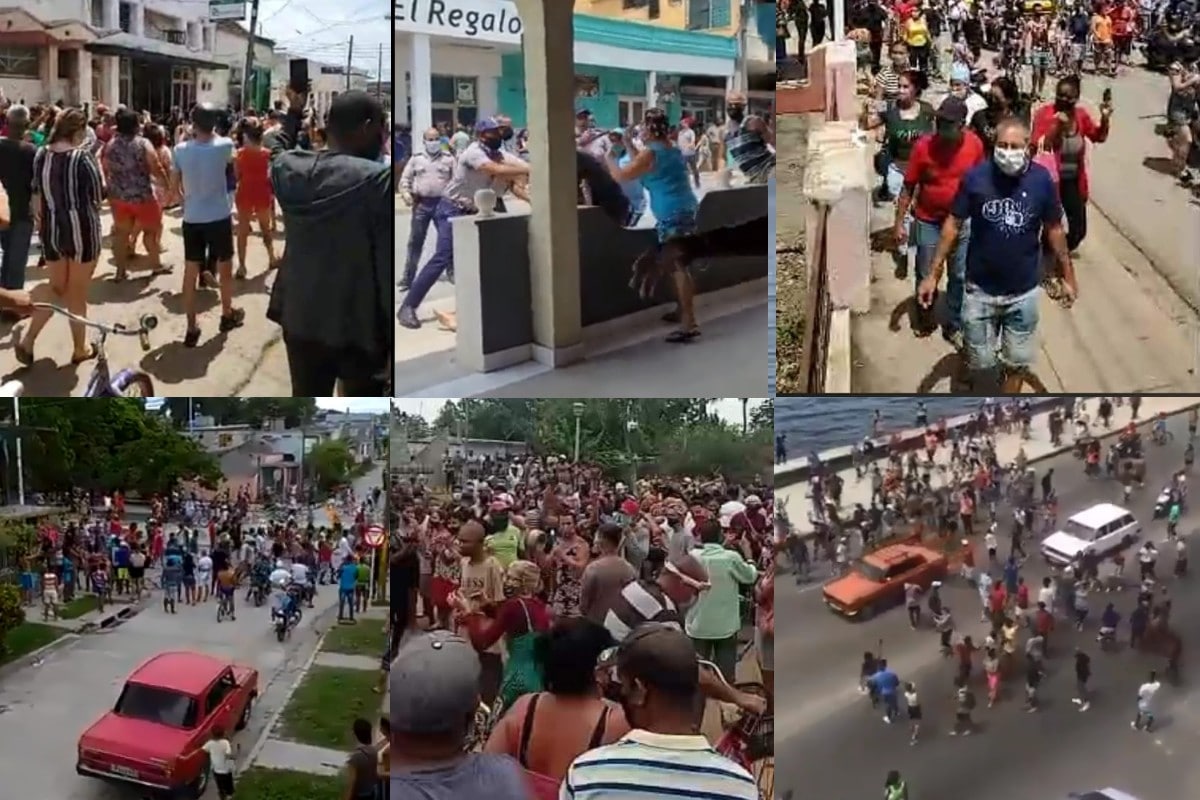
x=682, y=336
x=162, y=269
x=91, y=353
x=236, y=318
x=192, y=337
x=120, y=275
x=24, y=355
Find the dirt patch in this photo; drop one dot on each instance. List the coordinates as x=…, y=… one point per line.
x=791, y=289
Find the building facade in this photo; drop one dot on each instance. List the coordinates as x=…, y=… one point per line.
x=327, y=80
x=150, y=54
x=456, y=61
x=232, y=43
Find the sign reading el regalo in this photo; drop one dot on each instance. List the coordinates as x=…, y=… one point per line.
x=484, y=20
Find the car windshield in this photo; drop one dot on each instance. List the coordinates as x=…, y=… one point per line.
x=1073, y=528
x=156, y=704
x=872, y=572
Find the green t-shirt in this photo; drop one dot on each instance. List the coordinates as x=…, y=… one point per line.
x=38, y=138
x=362, y=575
x=505, y=545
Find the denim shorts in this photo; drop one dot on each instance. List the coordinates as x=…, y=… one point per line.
x=1000, y=328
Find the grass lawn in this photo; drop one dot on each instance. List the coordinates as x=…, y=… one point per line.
x=363, y=639
x=26, y=638
x=82, y=604
x=259, y=783
x=325, y=704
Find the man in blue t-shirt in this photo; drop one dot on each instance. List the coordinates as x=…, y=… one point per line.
x=347, y=580
x=200, y=173
x=885, y=683
x=1013, y=208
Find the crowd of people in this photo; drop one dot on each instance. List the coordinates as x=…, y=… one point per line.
x=221, y=172
x=990, y=178
x=651, y=164
x=549, y=624
x=186, y=554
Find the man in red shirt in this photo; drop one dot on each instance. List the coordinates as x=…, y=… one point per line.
x=936, y=167
x=1124, y=21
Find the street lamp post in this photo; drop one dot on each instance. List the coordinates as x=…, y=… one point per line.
x=745, y=415
x=578, y=408
x=20, y=458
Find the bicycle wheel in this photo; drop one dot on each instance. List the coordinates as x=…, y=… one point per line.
x=133, y=384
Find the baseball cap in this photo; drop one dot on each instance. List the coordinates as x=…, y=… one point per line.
x=350, y=111
x=487, y=124
x=953, y=109
x=434, y=684
x=582, y=112
x=498, y=507
x=960, y=73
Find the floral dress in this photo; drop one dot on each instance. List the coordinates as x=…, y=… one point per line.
x=568, y=582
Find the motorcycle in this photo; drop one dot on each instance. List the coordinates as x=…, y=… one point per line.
x=1107, y=638
x=288, y=618
x=1162, y=504
x=259, y=594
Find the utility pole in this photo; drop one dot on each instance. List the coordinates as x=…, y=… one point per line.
x=247, y=78
x=349, y=61
x=379, y=75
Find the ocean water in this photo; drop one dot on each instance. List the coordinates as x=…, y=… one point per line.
x=826, y=422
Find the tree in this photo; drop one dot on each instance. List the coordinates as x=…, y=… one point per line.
x=762, y=416
x=330, y=464
x=106, y=445
x=415, y=425
x=295, y=411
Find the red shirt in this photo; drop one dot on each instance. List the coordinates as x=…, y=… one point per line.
x=1022, y=596
x=998, y=598
x=937, y=169
x=1044, y=622
x=1122, y=20
x=904, y=10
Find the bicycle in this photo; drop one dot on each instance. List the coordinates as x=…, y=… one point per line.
x=224, y=607
x=749, y=741
x=127, y=382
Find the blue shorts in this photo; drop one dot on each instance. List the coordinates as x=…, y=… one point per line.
x=676, y=226
x=28, y=581
x=1000, y=328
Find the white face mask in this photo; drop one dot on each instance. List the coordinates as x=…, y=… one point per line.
x=1010, y=162
x=433, y=148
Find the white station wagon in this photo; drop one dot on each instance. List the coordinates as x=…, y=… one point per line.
x=1102, y=529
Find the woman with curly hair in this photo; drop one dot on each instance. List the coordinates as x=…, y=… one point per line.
x=67, y=190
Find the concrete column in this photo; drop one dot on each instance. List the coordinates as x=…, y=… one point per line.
x=420, y=68
x=84, y=77
x=110, y=81
x=137, y=19
x=52, y=71
x=549, y=46
x=651, y=85
x=112, y=14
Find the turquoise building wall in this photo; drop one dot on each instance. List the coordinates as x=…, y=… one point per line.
x=614, y=81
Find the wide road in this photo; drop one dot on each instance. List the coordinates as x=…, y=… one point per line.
x=46, y=706
x=830, y=744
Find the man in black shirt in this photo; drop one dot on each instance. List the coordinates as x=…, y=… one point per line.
x=16, y=174
x=404, y=580
x=605, y=192
x=874, y=19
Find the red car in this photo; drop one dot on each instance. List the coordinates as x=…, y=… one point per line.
x=152, y=737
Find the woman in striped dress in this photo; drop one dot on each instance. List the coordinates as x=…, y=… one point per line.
x=67, y=190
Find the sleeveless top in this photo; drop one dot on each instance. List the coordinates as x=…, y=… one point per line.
x=128, y=175
x=749, y=152
x=671, y=195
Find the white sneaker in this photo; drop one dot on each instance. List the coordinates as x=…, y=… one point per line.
x=1076, y=700
x=1084, y=706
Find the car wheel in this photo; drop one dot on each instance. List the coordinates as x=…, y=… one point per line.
x=244, y=720
x=867, y=613
x=198, y=786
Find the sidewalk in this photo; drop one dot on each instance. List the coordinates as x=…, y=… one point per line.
x=306, y=744
x=795, y=498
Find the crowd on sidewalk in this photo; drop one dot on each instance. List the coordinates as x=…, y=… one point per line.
x=223, y=170
x=548, y=625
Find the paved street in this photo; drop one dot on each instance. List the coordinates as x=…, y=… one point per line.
x=47, y=704
x=1133, y=327
x=733, y=339
x=831, y=744
x=245, y=362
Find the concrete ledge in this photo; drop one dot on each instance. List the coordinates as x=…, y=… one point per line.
x=838, y=364
x=30, y=658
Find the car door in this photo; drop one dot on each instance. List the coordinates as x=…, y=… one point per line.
x=219, y=700
x=899, y=574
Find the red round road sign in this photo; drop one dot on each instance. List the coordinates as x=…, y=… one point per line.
x=374, y=536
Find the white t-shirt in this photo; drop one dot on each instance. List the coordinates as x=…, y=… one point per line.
x=280, y=577
x=1046, y=595
x=686, y=140
x=300, y=572
x=220, y=755
x=730, y=510
x=343, y=550
x=1146, y=693
x=204, y=565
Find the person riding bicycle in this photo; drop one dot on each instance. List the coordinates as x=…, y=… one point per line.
x=260, y=574
x=283, y=602
x=1160, y=427
x=226, y=587
x=302, y=577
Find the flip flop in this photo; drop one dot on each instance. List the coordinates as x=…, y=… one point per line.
x=162, y=269
x=92, y=353
x=683, y=337
x=192, y=337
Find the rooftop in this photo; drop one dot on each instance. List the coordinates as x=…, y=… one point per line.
x=187, y=672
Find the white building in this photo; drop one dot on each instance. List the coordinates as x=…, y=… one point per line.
x=231, y=44
x=150, y=54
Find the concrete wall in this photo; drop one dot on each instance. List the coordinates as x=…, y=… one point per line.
x=493, y=284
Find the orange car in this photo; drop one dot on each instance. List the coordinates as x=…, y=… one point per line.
x=877, y=582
